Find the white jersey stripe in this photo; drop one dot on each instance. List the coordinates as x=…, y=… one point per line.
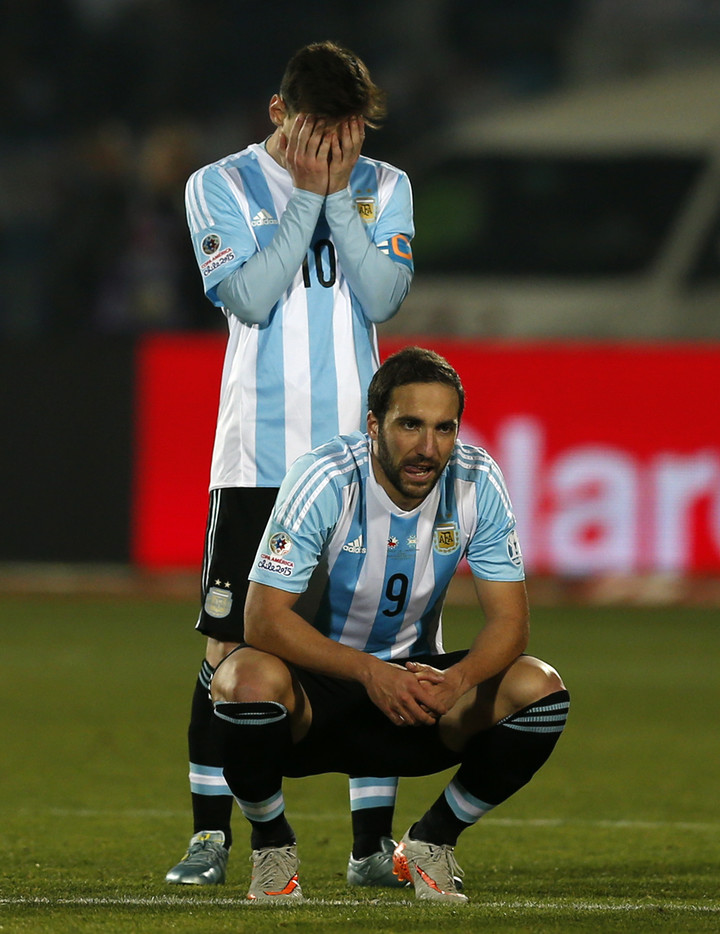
x=194, y=220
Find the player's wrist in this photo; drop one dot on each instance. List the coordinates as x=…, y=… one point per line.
x=306, y=194
x=458, y=680
x=370, y=668
x=315, y=187
x=338, y=186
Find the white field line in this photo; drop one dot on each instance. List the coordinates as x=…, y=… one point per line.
x=173, y=901
x=154, y=813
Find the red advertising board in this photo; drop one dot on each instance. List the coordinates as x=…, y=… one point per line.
x=176, y=401
x=611, y=451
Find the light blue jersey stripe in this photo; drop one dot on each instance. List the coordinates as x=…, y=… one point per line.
x=334, y=609
x=397, y=586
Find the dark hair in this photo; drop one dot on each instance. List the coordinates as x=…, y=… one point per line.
x=328, y=80
x=411, y=365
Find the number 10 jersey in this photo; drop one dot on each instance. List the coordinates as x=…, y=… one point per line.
x=298, y=375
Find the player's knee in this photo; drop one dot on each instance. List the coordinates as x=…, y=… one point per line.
x=529, y=680
x=250, y=676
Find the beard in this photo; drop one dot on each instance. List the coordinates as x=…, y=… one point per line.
x=394, y=472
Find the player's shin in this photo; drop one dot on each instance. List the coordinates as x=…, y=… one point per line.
x=255, y=739
x=372, y=804
x=212, y=800
x=496, y=763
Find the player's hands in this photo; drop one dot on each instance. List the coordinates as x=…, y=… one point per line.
x=403, y=698
x=320, y=159
x=346, y=142
x=445, y=691
x=306, y=152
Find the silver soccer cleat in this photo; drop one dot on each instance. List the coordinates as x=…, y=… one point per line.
x=205, y=862
x=376, y=869
x=431, y=868
x=275, y=876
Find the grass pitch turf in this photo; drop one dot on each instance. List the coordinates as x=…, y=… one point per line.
x=620, y=831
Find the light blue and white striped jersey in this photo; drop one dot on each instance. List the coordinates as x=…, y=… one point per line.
x=300, y=377
x=379, y=574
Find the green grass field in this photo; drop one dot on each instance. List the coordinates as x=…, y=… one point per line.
x=619, y=832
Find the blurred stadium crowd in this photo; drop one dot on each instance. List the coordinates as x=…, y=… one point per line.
x=108, y=105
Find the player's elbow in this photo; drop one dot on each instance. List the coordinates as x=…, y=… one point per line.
x=263, y=615
x=247, y=313
x=235, y=297
x=385, y=304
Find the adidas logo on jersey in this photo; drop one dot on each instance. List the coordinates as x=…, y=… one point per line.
x=263, y=218
x=355, y=547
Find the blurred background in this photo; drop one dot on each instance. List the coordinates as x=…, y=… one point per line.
x=564, y=159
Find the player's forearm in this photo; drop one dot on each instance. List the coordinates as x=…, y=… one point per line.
x=496, y=647
x=251, y=290
x=380, y=283
x=284, y=633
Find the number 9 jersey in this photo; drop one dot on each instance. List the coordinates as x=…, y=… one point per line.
x=302, y=344
x=370, y=574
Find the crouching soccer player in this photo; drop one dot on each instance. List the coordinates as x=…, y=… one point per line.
x=356, y=682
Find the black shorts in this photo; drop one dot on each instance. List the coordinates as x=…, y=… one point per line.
x=237, y=517
x=349, y=734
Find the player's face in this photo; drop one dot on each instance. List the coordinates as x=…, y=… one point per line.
x=415, y=440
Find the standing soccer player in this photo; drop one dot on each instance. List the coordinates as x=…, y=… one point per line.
x=356, y=679
x=305, y=246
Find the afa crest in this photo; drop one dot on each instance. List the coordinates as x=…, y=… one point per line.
x=218, y=602
x=446, y=538
x=366, y=209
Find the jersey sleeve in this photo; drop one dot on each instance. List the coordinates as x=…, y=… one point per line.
x=221, y=236
x=395, y=228
x=493, y=552
x=372, y=229
x=306, y=511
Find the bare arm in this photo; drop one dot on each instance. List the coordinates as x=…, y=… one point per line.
x=498, y=644
x=273, y=626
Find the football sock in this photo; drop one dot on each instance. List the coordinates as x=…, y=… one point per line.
x=212, y=800
x=255, y=738
x=372, y=804
x=496, y=763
